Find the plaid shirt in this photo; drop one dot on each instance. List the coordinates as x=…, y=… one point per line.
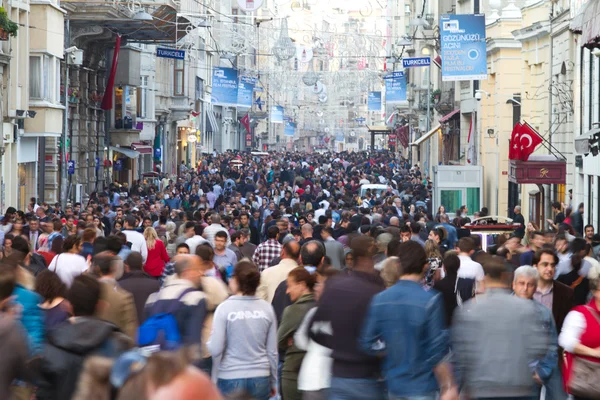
x=265, y=253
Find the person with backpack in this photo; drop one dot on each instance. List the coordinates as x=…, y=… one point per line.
x=175, y=315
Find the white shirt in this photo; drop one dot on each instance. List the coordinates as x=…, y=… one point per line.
x=470, y=269
x=210, y=232
x=67, y=266
x=194, y=242
x=572, y=329
x=315, y=372
x=138, y=243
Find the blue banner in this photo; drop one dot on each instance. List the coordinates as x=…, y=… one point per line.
x=374, y=101
x=97, y=163
x=416, y=62
x=464, y=56
x=71, y=167
x=277, y=114
x=170, y=53
x=245, y=89
x=339, y=137
x=225, y=87
x=118, y=165
x=289, y=128
x=157, y=152
x=395, y=88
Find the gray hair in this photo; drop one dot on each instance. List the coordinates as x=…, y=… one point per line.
x=215, y=218
x=518, y=208
x=526, y=271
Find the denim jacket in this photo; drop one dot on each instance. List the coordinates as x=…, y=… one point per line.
x=405, y=324
x=548, y=364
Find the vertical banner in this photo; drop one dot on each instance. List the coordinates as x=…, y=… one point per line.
x=107, y=100
x=339, y=137
x=395, y=88
x=224, y=87
x=289, y=128
x=245, y=90
x=374, y=101
x=277, y=114
x=464, y=56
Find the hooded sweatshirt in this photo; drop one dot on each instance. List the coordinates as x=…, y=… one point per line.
x=69, y=344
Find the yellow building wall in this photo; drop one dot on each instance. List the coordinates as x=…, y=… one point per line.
x=49, y=33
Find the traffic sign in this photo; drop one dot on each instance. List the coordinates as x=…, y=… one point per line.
x=416, y=62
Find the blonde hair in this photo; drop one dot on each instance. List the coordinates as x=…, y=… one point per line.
x=151, y=237
x=432, y=250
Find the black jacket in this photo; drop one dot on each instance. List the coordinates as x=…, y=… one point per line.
x=67, y=347
x=344, y=296
x=141, y=286
x=447, y=287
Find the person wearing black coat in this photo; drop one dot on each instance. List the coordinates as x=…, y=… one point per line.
x=137, y=282
x=447, y=286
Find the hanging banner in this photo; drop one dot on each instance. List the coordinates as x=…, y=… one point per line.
x=339, y=137
x=244, y=91
x=71, y=167
x=463, y=47
x=277, y=114
x=289, y=128
x=224, y=87
x=107, y=100
x=395, y=88
x=374, y=101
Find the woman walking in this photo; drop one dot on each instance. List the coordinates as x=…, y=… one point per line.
x=157, y=254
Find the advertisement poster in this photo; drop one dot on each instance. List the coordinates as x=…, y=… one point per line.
x=463, y=47
x=374, y=101
x=244, y=91
x=225, y=87
x=289, y=128
x=277, y=114
x=395, y=88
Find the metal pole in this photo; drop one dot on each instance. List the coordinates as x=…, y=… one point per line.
x=428, y=159
x=64, y=163
x=475, y=138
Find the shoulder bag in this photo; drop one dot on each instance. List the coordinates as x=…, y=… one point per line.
x=585, y=374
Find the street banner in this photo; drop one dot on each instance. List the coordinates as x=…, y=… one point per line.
x=416, y=62
x=245, y=90
x=374, y=101
x=289, y=128
x=170, y=53
x=107, y=100
x=463, y=47
x=246, y=122
x=277, y=114
x=395, y=88
x=225, y=87
x=339, y=137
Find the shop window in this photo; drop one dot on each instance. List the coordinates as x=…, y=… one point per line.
x=178, y=78
x=451, y=200
x=44, y=82
x=126, y=107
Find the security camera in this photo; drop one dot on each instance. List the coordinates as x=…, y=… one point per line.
x=478, y=96
x=71, y=49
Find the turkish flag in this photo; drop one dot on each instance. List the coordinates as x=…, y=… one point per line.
x=246, y=122
x=514, y=152
x=529, y=139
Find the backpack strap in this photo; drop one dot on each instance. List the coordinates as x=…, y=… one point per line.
x=159, y=308
x=577, y=282
x=177, y=303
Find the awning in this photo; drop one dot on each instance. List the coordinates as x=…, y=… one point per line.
x=426, y=136
x=450, y=115
x=211, y=121
x=128, y=152
x=142, y=148
x=379, y=128
x=587, y=23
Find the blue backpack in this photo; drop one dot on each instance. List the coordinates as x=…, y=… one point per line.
x=160, y=330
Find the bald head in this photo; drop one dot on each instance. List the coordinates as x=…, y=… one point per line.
x=394, y=221
x=191, y=384
x=307, y=230
x=291, y=250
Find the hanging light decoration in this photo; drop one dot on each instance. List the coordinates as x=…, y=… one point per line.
x=284, y=48
x=310, y=78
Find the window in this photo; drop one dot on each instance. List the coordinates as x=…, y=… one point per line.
x=178, y=77
x=473, y=199
x=142, y=98
x=44, y=78
x=451, y=200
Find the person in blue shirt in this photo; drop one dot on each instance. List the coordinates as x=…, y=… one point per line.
x=452, y=237
x=405, y=326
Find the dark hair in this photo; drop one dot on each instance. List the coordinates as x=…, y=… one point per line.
x=221, y=234
x=538, y=256
x=104, y=263
x=494, y=267
x=451, y=264
x=131, y=221
x=100, y=244
x=577, y=245
x=393, y=248
x=205, y=252
x=198, y=229
x=587, y=226
x=247, y=276
x=235, y=236
x=71, y=242
x=180, y=245
x=415, y=228
x=412, y=258
x=405, y=229
x=272, y=232
x=8, y=282
x=134, y=261
x=83, y=295
x=466, y=245
x=363, y=246
x=49, y=286
x=312, y=253
x=114, y=244
x=19, y=243
x=556, y=205
x=300, y=274
x=89, y=234
x=477, y=241
x=537, y=233
x=323, y=219
x=440, y=232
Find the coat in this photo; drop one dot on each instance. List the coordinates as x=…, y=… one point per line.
x=141, y=286
x=120, y=309
x=292, y=318
x=563, y=300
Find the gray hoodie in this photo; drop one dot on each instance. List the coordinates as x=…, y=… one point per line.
x=13, y=345
x=243, y=341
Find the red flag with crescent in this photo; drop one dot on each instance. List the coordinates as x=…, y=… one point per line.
x=529, y=139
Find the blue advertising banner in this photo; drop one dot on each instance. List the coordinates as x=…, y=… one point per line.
x=244, y=91
x=170, y=53
x=71, y=167
x=374, y=101
x=464, y=56
x=339, y=137
x=277, y=114
x=118, y=165
x=289, y=128
x=97, y=163
x=157, y=153
x=416, y=62
x=395, y=88
x=225, y=87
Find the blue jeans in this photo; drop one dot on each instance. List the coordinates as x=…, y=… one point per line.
x=356, y=389
x=252, y=388
x=554, y=387
x=432, y=396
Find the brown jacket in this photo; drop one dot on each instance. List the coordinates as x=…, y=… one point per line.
x=563, y=301
x=119, y=308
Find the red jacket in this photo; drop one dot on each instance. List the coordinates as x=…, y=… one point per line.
x=157, y=258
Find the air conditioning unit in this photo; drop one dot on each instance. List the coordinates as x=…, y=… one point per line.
x=79, y=193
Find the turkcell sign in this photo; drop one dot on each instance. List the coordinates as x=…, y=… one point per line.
x=416, y=62
x=170, y=53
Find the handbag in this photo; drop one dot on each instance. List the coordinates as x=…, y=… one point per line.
x=585, y=374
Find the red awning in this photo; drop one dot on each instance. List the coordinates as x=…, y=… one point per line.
x=447, y=117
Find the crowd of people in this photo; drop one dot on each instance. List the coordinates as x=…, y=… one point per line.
x=293, y=276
